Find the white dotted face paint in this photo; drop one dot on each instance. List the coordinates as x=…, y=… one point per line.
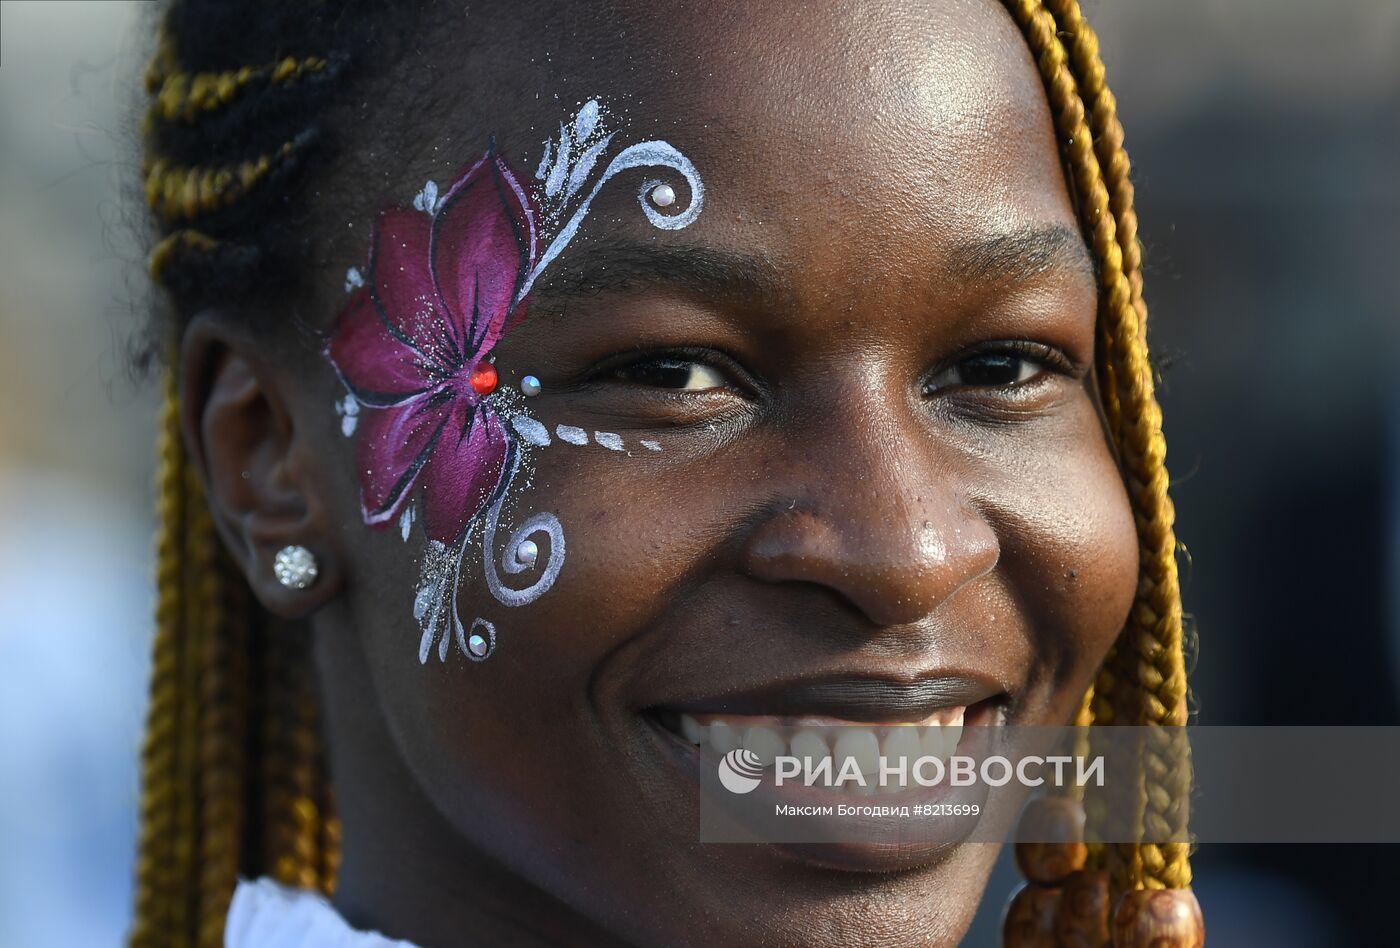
x=607, y=439
x=571, y=434
x=531, y=431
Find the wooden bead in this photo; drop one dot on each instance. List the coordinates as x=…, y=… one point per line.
x=1054, y=828
x=1030, y=918
x=1081, y=921
x=1159, y=918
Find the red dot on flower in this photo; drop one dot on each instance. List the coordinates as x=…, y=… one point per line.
x=484, y=378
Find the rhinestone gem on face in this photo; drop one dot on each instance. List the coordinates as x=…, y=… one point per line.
x=663, y=195
x=484, y=378
x=530, y=386
x=294, y=567
x=527, y=552
x=477, y=645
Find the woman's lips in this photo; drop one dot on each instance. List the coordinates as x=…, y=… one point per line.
x=850, y=698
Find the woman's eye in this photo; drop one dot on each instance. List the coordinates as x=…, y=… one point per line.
x=676, y=374
x=986, y=370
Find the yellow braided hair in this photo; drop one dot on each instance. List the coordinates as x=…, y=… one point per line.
x=1144, y=678
x=228, y=687
x=181, y=193
x=234, y=781
x=188, y=97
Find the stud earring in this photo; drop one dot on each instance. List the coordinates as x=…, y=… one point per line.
x=295, y=567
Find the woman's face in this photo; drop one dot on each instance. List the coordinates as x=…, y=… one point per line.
x=881, y=487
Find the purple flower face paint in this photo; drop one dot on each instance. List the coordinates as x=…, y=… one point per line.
x=447, y=278
x=441, y=289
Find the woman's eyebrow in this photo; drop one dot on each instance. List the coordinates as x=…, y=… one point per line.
x=615, y=265
x=1021, y=254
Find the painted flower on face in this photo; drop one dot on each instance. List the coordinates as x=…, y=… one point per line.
x=411, y=346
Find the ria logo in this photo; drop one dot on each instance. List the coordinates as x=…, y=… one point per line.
x=740, y=770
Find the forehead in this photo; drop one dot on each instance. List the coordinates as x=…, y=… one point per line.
x=875, y=136
x=932, y=108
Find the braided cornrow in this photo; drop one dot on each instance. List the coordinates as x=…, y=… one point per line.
x=239, y=99
x=186, y=98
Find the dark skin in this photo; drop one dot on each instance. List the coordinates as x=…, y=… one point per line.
x=883, y=459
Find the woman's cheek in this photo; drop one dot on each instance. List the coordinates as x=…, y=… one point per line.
x=1069, y=551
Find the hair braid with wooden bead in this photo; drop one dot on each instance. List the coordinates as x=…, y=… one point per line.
x=1144, y=678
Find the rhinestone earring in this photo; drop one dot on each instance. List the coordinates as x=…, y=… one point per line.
x=295, y=567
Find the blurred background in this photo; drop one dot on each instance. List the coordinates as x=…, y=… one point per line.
x=1265, y=136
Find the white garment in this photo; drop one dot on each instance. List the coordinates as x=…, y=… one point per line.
x=264, y=914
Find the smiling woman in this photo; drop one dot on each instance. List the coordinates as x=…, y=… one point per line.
x=821, y=342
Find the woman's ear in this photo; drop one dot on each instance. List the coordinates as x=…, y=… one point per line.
x=245, y=448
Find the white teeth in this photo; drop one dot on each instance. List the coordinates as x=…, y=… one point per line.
x=931, y=744
x=765, y=743
x=952, y=732
x=901, y=745
x=809, y=738
x=858, y=744
x=810, y=747
x=694, y=731
x=723, y=738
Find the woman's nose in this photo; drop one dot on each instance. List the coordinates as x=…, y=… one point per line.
x=893, y=535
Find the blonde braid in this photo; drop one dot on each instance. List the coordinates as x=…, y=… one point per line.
x=221, y=765
x=1148, y=666
x=198, y=794
x=330, y=833
x=291, y=774
x=156, y=880
x=177, y=193
x=185, y=97
x=170, y=248
x=1167, y=762
x=1087, y=66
